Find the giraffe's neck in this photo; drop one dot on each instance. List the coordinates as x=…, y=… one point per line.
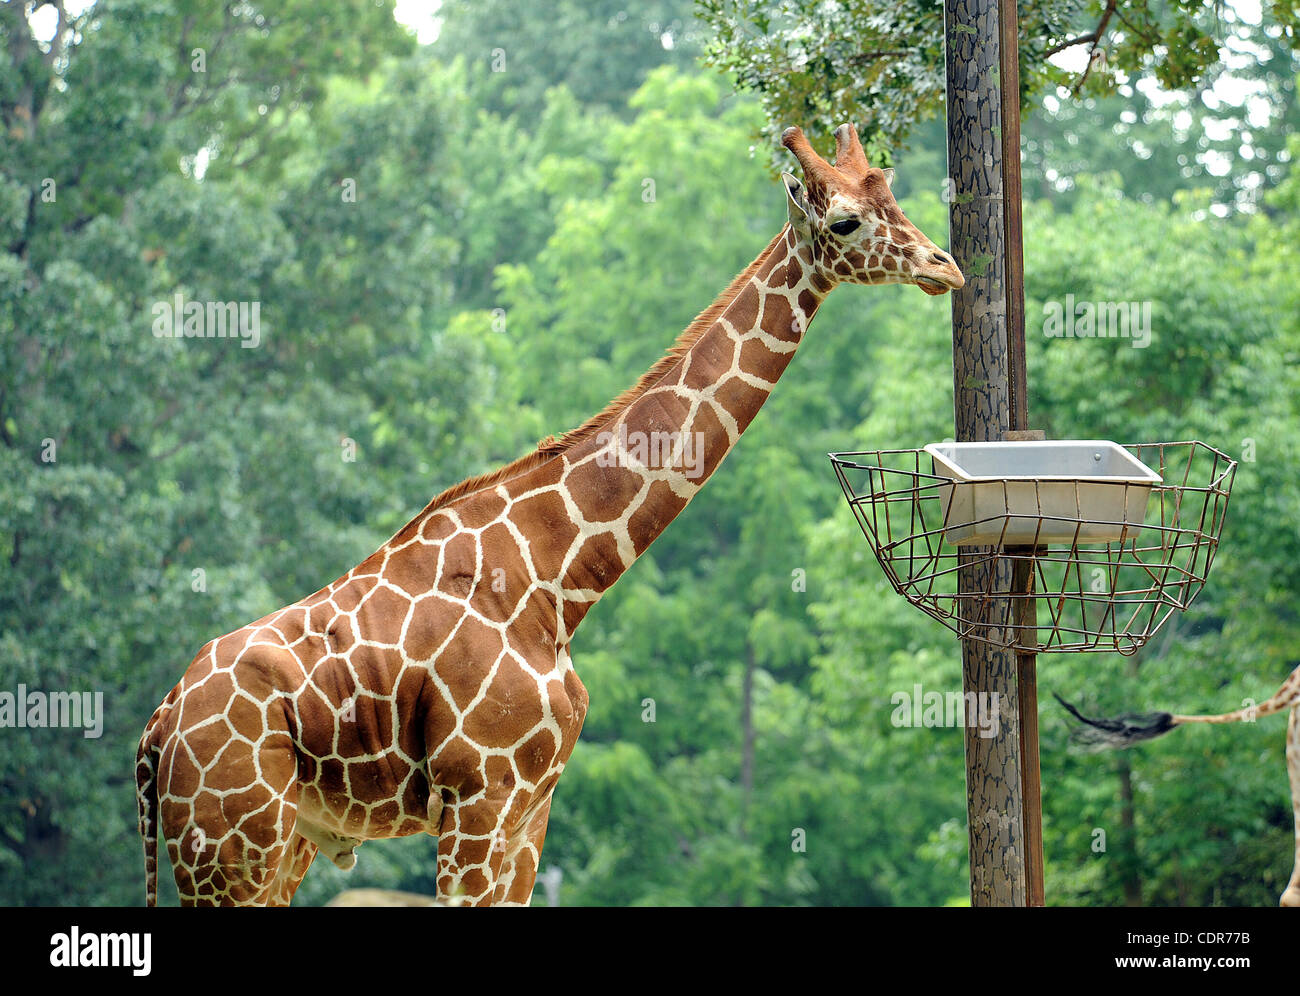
x=631, y=479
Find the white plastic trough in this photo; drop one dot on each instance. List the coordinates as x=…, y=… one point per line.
x=1092, y=489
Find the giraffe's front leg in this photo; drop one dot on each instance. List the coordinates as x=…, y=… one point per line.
x=524, y=857
x=1292, y=895
x=471, y=850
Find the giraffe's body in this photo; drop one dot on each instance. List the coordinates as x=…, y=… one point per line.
x=1125, y=732
x=430, y=689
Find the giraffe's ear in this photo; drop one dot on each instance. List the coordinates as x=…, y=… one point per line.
x=797, y=203
x=889, y=176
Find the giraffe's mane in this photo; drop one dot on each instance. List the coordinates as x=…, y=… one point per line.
x=553, y=446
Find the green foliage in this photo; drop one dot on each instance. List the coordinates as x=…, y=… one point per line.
x=598, y=50
x=881, y=66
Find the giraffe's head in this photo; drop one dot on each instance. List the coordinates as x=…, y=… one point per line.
x=848, y=219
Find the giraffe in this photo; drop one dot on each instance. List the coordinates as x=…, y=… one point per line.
x=1130, y=729
x=431, y=688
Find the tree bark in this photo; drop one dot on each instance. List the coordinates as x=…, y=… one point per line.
x=746, y=740
x=988, y=401
x=1128, y=839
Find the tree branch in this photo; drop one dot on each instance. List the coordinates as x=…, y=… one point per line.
x=1146, y=36
x=1062, y=46
x=1092, y=52
x=56, y=43
x=871, y=56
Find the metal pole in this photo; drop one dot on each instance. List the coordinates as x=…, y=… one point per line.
x=989, y=403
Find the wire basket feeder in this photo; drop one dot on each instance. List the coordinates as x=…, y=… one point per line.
x=1107, y=557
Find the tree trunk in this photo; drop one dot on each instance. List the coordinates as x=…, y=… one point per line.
x=1130, y=881
x=989, y=401
x=746, y=740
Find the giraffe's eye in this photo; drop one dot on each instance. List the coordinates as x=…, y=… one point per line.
x=846, y=226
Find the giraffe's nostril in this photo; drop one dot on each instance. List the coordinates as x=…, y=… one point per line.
x=940, y=258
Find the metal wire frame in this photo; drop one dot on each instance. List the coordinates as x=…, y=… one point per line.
x=1091, y=597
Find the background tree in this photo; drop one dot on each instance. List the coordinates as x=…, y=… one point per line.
x=881, y=65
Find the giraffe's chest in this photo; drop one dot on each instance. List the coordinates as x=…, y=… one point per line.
x=505, y=735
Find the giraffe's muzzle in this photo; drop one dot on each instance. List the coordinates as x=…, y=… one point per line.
x=938, y=274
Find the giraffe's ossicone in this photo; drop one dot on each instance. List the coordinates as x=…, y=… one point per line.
x=430, y=689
